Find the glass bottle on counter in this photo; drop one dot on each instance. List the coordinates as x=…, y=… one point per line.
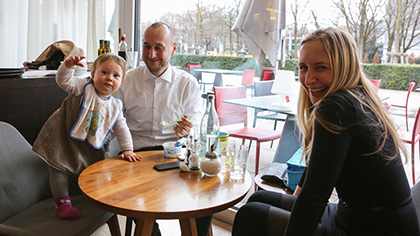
x=108, y=46
x=122, y=48
x=210, y=127
x=101, y=49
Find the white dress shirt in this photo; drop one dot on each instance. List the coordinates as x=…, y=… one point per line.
x=148, y=100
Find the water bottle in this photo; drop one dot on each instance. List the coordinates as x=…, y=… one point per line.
x=210, y=127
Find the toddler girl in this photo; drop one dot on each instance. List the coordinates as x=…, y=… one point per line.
x=74, y=136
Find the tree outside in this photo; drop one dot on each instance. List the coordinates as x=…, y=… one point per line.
x=379, y=26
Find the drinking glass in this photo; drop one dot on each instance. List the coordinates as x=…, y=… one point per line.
x=131, y=57
x=228, y=155
x=223, y=139
x=238, y=167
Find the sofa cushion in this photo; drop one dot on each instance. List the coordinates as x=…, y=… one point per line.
x=41, y=219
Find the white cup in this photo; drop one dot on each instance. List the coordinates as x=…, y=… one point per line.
x=238, y=166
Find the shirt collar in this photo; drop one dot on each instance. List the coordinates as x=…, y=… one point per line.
x=165, y=76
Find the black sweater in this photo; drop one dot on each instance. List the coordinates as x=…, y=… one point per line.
x=339, y=160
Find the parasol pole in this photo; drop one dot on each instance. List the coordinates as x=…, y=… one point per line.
x=281, y=25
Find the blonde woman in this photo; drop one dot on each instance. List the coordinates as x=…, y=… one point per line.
x=350, y=143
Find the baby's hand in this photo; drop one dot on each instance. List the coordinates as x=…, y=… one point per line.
x=74, y=61
x=131, y=156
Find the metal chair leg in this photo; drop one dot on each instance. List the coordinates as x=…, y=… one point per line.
x=275, y=126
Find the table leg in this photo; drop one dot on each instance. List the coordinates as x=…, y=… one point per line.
x=188, y=227
x=128, y=226
x=144, y=227
x=114, y=226
x=218, y=80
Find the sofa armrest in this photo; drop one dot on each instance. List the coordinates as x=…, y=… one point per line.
x=6, y=230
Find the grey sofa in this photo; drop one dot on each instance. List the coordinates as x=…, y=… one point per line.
x=26, y=204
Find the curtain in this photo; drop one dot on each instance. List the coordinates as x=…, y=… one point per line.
x=96, y=27
x=27, y=27
x=13, y=36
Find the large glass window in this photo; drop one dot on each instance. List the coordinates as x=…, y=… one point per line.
x=27, y=28
x=201, y=27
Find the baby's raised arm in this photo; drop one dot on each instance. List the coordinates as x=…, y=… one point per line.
x=65, y=78
x=74, y=61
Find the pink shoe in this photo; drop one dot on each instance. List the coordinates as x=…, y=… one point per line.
x=64, y=209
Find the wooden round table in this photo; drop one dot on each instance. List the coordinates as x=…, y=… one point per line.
x=137, y=190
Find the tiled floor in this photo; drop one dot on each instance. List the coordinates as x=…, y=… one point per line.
x=171, y=227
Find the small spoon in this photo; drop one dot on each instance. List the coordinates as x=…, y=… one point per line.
x=163, y=123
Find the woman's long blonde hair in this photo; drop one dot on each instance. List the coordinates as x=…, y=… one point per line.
x=347, y=73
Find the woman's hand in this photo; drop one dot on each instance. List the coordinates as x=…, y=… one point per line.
x=183, y=127
x=74, y=61
x=130, y=156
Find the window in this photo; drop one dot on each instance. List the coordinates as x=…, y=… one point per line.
x=29, y=27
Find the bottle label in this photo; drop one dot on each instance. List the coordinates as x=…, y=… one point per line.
x=122, y=54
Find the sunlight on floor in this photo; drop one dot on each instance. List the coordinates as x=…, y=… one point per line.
x=167, y=228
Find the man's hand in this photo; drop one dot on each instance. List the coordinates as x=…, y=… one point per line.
x=74, y=61
x=183, y=127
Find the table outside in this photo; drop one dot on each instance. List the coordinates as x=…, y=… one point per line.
x=267, y=103
x=218, y=79
x=136, y=190
x=263, y=102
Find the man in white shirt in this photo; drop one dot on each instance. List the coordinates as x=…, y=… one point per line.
x=159, y=92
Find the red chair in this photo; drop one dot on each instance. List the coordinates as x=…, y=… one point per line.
x=268, y=75
x=187, y=67
x=413, y=138
x=406, y=103
x=233, y=114
x=248, y=79
x=376, y=82
x=264, y=70
x=263, y=88
x=190, y=68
